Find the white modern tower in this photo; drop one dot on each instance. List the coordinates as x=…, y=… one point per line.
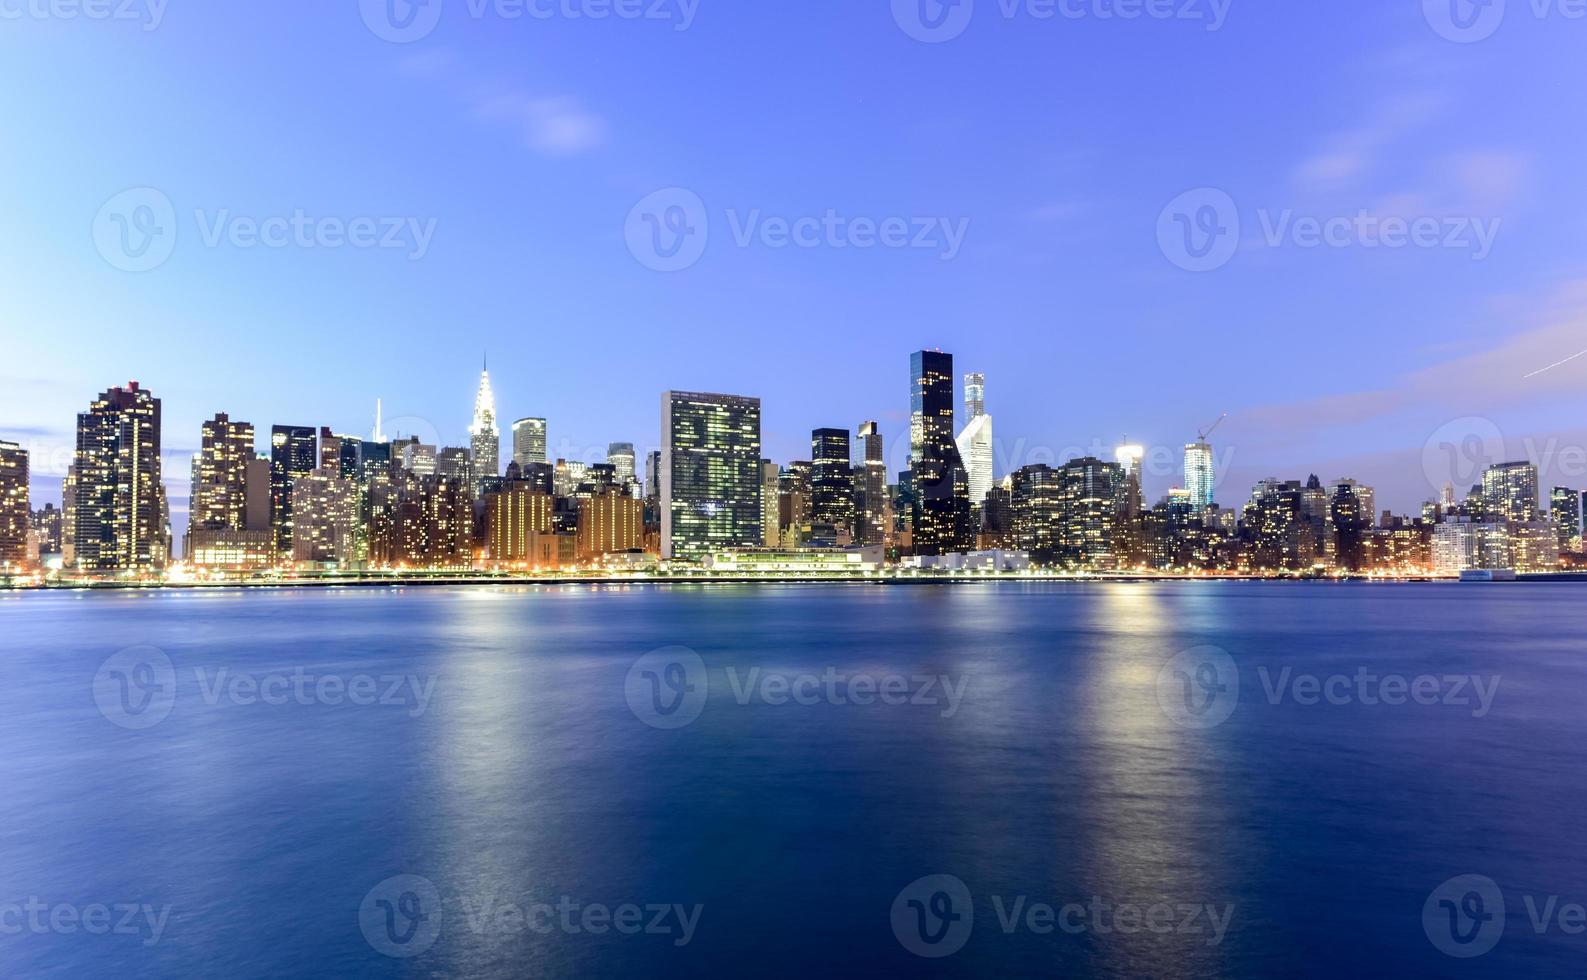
x=975, y=442
x=484, y=439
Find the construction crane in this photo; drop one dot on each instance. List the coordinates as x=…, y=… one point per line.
x=1202, y=435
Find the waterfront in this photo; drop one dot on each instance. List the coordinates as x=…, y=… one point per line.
x=508, y=746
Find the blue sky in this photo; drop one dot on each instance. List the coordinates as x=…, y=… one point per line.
x=521, y=146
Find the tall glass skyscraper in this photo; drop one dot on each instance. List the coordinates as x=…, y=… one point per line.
x=120, y=507
x=294, y=452
x=975, y=442
x=529, y=442
x=831, y=484
x=941, y=484
x=710, y=473
x=1200, y=475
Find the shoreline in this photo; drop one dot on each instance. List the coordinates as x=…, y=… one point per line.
x=371, y=582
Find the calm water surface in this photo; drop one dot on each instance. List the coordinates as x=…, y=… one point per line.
x=1081, y=803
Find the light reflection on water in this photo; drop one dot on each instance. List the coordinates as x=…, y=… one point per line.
x=528, y=777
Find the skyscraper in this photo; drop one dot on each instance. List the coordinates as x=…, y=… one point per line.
x=294, y=452
x=941, y=485
x=710, y=473
x=621, y=457
x=770, y=483
x=1565, y=509
x=15, y=514
x=529, y=442
x=1510, y=492
x=119, y=519
x=483, y=437
x=876, y=503
x=1200, y=475
x=831, y=485
x=975, y=442
x=220, y=483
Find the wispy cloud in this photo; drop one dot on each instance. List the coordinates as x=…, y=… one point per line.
x=551, y=124
x=555, y=126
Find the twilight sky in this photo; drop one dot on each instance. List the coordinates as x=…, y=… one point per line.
x=1014, y=173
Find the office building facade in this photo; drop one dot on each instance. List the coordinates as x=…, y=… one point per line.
x=710, y=473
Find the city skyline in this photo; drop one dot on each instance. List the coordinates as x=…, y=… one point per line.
x=1061, y=268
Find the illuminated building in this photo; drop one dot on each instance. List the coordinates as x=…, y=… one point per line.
x=1200, y=475
x=326, y=520
x=47, y=522
x=119, y=518
x=801, y=561
x=1462, y=544
x=620, y=456
x=568, y=476
x=710, y=473
x=770, y=486
x=831, y=487
x=1510, y=493
x=219, y=499
x=455, y=463
x=653, y=475
x=16, y=517
x=514, y=516
x=1037, y=505
x=610, y=522
x=529, y=442
x=975, y=442
x=294, y=452
x=941, y=485
x=1565, y=509
x=793, y=504
x=1365, y=497
x=1092, y=494
x=231, y=549
x=875, y=500
x=421, y=522
x=417, y=458
x=484, y=440
x=1281, y=533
